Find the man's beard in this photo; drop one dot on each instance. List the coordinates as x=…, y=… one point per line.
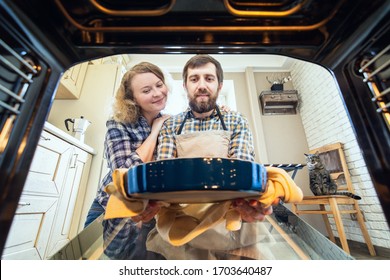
x=203, y=106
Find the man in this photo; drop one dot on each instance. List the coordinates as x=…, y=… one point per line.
x=202, y=130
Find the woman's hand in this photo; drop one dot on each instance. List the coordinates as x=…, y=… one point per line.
x=252, y=210
x=158, y=122
x=150, y=211
x=146, y=150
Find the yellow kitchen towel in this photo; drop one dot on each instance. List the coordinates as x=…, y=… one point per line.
x=179, y=224
x=280, y=185
x=119, y=205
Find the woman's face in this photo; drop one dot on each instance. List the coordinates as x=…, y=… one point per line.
x=150, y=93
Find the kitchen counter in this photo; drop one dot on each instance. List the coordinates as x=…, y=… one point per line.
x=68, y=138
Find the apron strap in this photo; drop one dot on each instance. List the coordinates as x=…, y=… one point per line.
x=188, y=113
x=183, y=123
x=221, y=118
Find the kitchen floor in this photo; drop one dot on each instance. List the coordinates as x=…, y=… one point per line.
x=360, y=252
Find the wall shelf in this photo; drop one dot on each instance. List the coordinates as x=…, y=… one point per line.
x=282, y=102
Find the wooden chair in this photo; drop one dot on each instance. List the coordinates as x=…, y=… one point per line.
x=334, y=159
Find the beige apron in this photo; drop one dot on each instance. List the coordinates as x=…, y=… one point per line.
x=209, y=143
x=218, y=239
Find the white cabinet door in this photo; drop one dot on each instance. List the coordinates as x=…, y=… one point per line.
x=49, y=166
x=77, y=170
x=30, y=230
x=77, y=221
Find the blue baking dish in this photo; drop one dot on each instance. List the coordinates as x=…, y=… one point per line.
x=196, y=180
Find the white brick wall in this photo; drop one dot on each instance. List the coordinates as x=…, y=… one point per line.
x=326, y=121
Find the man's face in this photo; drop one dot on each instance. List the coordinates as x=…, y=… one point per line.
x=202, y=88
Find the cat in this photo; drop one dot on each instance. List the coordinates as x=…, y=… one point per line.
x=320, y=181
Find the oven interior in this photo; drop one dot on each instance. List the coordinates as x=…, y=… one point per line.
x=41, y=39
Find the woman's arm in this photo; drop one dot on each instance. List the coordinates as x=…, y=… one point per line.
x=146, y=150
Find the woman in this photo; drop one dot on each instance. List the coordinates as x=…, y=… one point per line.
x=131, y=140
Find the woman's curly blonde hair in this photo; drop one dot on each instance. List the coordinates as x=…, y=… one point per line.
x=125, y=108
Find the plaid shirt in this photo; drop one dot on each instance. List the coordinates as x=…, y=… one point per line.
x=123, y=239
x=241, y=141
x=122, y=141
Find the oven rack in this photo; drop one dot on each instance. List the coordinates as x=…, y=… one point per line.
x=17, y=72
x=376, y=74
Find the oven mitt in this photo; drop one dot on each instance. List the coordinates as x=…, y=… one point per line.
x=118, y=205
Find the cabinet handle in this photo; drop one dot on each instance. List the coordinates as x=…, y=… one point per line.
x=24, y=204
x=73, y=161
x=45, y=138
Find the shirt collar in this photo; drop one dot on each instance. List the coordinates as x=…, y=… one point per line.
x=190, y=114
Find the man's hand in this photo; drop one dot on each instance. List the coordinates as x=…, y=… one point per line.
x=225, y=108
x=150, y=211
x=252, y=210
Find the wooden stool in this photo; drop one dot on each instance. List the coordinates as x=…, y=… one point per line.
x=334, y=160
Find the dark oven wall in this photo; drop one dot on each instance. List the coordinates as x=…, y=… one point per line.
x=364, y=80
x=52, y=35
x=29, y=76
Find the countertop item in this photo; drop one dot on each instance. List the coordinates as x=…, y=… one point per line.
x=65, y=136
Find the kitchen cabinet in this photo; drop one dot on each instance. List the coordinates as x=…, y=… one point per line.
x=79, y=164
x=30, y=230
x=47, y=208
x=71, y=82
